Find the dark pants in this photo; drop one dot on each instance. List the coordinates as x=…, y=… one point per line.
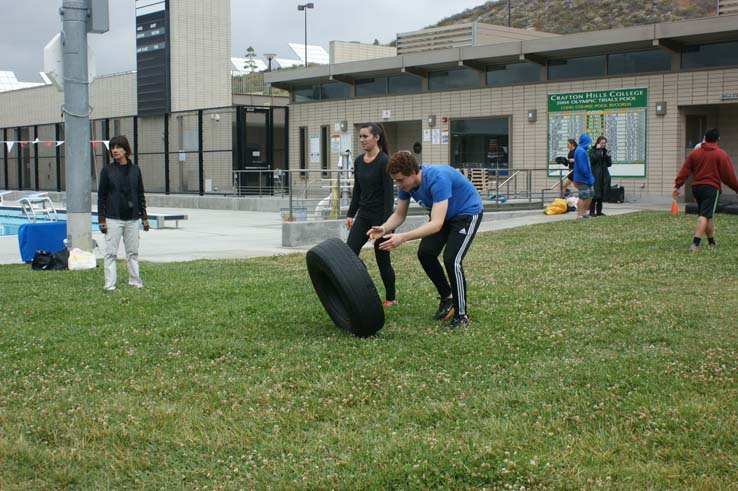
x=456, y=235
x=357, y=238
x=595, y=208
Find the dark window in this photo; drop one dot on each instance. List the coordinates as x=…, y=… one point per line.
x=308, y=93
x=403, y=84
x=334, y=90
x=586, y=66
x=480, y=143
x=303, y=149
x=708, y=55
x=371, y=86
x=654, y=60
x=324, y=150
x=458, y=78
x=513, y=74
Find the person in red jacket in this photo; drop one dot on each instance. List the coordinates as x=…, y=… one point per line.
x=710, y=167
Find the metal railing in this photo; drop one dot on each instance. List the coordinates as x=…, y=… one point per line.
x=259, y=182
x=517, y=186
x=325, y=194
x=312, y=194
x=318, y=194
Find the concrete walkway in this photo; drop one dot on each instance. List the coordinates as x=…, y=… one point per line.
x=226, y=234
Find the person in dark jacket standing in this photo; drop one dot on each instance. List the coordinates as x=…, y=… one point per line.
x=120, y=204
x=709, y=167
x=600, y=161
x=372, y=201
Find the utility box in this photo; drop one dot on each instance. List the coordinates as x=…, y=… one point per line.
x=99, y=20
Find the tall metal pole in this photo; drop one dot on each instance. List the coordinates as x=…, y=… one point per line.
x=508, y=13
x=306, y=36
x=76, y=124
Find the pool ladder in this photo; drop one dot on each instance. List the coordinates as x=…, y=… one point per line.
x=38, y=202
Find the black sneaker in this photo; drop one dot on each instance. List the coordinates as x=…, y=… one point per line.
x=460, y=321
x=445, y=309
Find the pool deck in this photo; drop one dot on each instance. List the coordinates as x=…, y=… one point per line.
x=226, y=234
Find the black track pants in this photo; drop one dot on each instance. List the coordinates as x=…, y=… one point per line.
x=456, y=235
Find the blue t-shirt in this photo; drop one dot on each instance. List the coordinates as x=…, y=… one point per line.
x=443, y=182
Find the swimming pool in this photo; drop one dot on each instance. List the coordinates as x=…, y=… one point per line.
x=11, y=218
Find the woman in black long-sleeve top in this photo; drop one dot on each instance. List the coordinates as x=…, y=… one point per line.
x=372, y=201
x=600, y=160
x=120, y=204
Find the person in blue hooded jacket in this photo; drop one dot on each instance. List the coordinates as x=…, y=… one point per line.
x=583, y=178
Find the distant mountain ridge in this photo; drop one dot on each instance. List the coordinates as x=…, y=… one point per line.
x=569, y=16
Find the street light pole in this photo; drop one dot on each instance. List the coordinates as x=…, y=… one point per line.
x=303, y=8
x=269, y=66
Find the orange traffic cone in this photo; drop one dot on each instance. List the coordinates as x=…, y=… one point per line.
x=674, y=207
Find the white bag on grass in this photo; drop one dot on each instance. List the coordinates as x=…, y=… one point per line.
x=79, y=259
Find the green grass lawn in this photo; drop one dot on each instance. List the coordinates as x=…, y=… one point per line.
x=601, y=355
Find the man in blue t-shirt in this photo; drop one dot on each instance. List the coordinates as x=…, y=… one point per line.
x=455, y=214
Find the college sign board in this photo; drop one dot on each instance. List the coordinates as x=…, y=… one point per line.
x=618, y=114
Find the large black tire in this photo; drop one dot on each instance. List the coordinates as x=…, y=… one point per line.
x=345, y=288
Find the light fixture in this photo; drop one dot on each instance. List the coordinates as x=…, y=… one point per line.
x=304, y=8
x=532, y=115
x=431, y=120
x=270, y=57
x=344, y=125
x=661, y=108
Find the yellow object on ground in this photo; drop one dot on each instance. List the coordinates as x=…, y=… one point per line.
x=557, y=207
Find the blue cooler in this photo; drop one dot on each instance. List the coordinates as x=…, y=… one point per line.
x=44, y=236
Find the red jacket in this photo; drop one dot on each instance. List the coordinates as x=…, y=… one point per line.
x=709, y=165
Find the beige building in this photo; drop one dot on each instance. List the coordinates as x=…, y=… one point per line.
x=506, y=100
x=497, y=102
x=191, y=126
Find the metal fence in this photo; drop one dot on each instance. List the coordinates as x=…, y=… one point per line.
x=326, y=194
x=182, y=152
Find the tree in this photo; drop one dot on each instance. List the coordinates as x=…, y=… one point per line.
x=250, y=63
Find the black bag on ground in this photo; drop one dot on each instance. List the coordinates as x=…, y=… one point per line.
x=616, y=194
x=42, y=260
x=46, y=261
x=61, y=260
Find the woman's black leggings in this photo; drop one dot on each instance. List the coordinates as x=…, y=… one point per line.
x=357, y=238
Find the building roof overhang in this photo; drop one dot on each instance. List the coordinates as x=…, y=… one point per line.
x=671, y=36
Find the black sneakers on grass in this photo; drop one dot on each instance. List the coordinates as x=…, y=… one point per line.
x=445, y=309
x=460, y=321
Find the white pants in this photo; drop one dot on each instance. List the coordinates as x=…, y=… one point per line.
x=128, y=229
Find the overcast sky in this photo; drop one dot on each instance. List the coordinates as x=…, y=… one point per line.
x=267, y=25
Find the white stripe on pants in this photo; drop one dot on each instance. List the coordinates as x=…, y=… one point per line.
x=128, y=230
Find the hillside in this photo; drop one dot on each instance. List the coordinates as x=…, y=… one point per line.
x=568, y=16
